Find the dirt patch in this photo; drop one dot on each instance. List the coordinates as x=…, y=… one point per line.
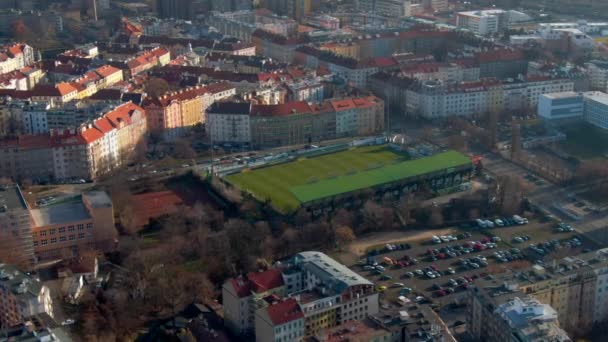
x=362, y=244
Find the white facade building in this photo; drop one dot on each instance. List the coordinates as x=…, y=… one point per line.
x=229, y=122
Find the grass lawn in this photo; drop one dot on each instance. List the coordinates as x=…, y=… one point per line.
x=274, y=182
x=287, y=185
x=585, y=141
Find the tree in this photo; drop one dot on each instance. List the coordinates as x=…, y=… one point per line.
x=183, y=150
x=156, y=87
x=344, y=235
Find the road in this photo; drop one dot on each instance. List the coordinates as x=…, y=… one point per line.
x=593, y=226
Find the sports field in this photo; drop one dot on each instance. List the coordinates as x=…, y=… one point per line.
x=290, y=184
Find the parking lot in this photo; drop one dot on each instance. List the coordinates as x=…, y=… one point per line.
x=439, y=271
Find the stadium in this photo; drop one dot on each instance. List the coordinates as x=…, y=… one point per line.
x=343, y=178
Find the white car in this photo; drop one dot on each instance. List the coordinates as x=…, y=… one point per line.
x=68, y=321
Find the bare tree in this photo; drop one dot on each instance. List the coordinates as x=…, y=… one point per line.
x=344, y=235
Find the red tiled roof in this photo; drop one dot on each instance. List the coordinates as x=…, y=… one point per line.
x=264, y=281
x=340, y=105
x=65, y=88
x=500, y=55
x=122, y=114
x=90, y=135
x=289, y=108
x=283, y=312
x=257, y=282
x=103, y=125
x=106, y=70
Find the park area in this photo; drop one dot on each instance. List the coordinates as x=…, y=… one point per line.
x=304, y=180
x=585, y=141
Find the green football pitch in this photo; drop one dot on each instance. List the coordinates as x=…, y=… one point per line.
x=290, y=184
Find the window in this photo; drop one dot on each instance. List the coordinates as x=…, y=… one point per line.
x=53, y=231
x=70, y=228
x=89, y=225
x=81, y=235
x=35, y=243
x=43, y=233
x=62, y=230
x=80, y=226
x=44, y=242
x=62, y=238
x=72, y=237
x=53, y=240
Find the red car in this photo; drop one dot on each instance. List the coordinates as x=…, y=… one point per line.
x=439, y=293
x=441, y=256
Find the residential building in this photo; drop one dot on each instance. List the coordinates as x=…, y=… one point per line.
x=64, y=231
x=309, y=293
x=309, y=90
x=282, y=321
x=59, y=93
x=87, y=152
x=324, y=21
x=229, y=122
x=23, y=79
x=21, y=297
x=501, y=63
x=15, y=231
x=485, y=22
x=147, y=60
x=393, y=8
x=173, y=113
x=15, y=56
x=597, y=70
x=434, y=99
x=179, y=9
x=503, y=314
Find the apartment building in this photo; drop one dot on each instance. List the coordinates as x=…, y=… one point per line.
x=503, y=314
x=307, y=294
x=15, y=230
x=21, y=297
x=229, y=122
x=308, y=90
x=65, y=230
x=147, y=60
x=597, y=71
x=282, y=321
x=93, y=149
x=295, y=122
x=15, y=56
x=483, y=22
x=454, y=72
x=173, y=113
x=392, y=8
x=575, y=287
x=58, y=93
x=434, y=99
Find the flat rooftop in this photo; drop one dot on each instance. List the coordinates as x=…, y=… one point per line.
x=11, y=198
x=60, y=214
x=563, y=95
x=597, y=96
x=98, y=199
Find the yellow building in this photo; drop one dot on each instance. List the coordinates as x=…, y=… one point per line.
x=109, y=75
